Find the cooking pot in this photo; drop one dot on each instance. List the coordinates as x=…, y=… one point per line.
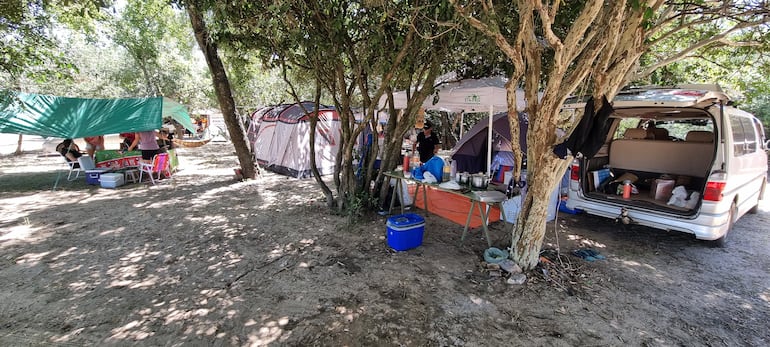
x=463, y=178
x=479, y=181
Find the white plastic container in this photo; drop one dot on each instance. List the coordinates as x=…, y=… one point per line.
x=111, y=180
x=512, y=206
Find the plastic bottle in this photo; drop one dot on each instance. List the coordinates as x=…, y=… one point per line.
x=446, y=171
x=626, y=189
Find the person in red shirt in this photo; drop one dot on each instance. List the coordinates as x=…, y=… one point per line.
x=128, y=139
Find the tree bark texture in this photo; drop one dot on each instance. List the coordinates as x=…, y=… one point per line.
x=530, y=227
x=223, y=90
x=18, y=145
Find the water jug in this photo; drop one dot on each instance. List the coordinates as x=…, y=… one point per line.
x=626, y=189
x=415, y=161
x=447, y=173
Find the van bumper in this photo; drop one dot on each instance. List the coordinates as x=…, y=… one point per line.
x=705, y=225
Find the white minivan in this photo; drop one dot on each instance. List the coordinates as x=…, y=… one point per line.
x=677, y=159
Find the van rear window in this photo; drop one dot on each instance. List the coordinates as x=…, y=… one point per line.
x=676, y=129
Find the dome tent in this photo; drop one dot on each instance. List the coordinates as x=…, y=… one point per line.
x=280, y=138
x=469, y=153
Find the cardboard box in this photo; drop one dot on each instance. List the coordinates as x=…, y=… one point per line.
x=661, y=189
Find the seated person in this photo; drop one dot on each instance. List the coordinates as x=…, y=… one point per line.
x=69, y=150
x=164, y=141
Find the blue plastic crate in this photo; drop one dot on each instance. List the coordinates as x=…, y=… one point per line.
x=405, y=231
x=92, y=176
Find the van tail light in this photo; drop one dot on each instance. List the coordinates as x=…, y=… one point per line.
x=574, y=172
x=715, y=186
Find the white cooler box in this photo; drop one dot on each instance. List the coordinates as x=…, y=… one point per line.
x=111, y=180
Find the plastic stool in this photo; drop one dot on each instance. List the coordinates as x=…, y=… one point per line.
x=132, y=176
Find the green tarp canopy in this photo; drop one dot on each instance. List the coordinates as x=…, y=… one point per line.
x=56, y=116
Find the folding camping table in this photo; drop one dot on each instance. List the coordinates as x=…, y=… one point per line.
x=488, y=198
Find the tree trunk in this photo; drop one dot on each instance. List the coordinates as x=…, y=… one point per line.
x=223, y=90
x=529, y=231
x=18, y=145
x=313, y=128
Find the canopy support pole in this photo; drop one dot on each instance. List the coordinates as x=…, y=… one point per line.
x=462, y=122
x=55, y=184
x=489, y=141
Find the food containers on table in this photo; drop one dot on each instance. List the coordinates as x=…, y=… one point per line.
x=463, y=178
x=479, y=181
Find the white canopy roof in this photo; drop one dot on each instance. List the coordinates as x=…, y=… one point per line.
x=473, y=95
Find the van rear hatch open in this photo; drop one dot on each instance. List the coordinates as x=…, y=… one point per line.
x=663, y=142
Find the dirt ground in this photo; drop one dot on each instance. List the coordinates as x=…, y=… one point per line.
x=204, y=260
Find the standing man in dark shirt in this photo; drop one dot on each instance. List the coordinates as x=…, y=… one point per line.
x=426, y=141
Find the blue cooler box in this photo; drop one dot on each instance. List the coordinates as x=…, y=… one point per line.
x=405, y=231
x=92, y=176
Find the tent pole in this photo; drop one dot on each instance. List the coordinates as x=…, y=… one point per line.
x=489, y=141
x=58, y=176
x=462, y=121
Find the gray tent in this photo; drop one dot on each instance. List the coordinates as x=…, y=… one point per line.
x=470, y=152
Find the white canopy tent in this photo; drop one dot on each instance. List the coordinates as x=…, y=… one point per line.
x=465, y=96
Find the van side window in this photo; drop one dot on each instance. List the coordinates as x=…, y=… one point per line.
x=759, y=130
x=751, y=135
x=740, y=136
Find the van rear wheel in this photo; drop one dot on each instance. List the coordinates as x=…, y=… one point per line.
x=722, y=241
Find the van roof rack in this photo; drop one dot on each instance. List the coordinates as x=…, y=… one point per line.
x=712, y=87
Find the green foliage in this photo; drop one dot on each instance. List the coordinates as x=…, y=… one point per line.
x=27, y=47
x=149, y=31
x=738, y=62
x=357, y=206
x=760, y=107
x=71, y=52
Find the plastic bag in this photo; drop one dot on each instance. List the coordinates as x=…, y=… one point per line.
x=429, y=178
x=692, y=201
x=417, y=173
x=678, y=197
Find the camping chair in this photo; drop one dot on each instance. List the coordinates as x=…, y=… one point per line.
x=158, y=165
x=74, y=168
